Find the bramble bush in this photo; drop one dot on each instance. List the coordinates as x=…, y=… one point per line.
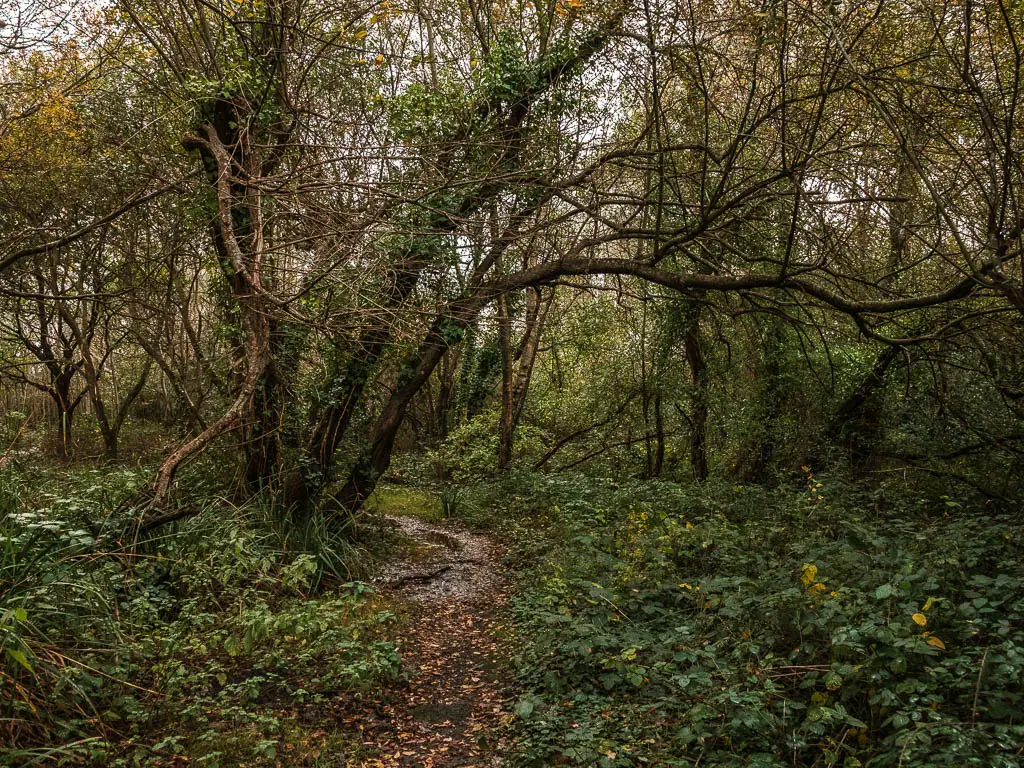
x=740, y=626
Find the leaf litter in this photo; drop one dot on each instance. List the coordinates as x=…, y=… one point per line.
x=455, y=704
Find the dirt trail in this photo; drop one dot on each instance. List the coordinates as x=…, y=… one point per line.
x=451, y=710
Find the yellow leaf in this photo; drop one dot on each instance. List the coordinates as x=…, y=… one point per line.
x=810, y=573
x=928, y=603
x=360, y=34
x=816, y=589
x=380, y=59
x=920, y=619
x=936, y=643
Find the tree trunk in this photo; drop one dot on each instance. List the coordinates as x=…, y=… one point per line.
x=344, y=389
x=855, y=425
x=536, y=314
x=376, y=456
x=760, y=451
x=659, y=436
x=505, y=345
x=697, y=364
x=61, y=395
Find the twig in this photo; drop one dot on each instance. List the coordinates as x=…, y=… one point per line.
x=420, y=576
x=977, y=687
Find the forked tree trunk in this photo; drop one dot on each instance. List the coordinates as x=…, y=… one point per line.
x=65, y=407
x=536, y=313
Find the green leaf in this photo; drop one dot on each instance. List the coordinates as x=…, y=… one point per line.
x=883, y=592
x=20, y=657
x=524, y=708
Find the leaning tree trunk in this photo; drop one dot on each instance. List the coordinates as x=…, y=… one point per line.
x=346, y=386
x=441, y=222
x=855, y=426
x=238, y=242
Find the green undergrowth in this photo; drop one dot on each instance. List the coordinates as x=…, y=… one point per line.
x=219, y=641
x=408, y=501
x=827, y=625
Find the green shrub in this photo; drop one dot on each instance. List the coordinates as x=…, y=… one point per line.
x=729, y=626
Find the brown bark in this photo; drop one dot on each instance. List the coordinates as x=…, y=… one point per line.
x=515, y=384
x=242, y=260
x=505, y=344
x=537, y=308
x=699, y=380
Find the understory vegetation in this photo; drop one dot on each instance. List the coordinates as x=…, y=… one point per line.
x=818, y=623
x=222, y=640
x=726, y=625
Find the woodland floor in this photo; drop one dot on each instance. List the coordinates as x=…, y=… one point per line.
x=454, y=704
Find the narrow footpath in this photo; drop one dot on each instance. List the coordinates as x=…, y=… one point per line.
x=453, y=707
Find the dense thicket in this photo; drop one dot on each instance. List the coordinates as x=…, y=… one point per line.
x=274, y=243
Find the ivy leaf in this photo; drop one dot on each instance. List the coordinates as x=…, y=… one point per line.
x=524, y=708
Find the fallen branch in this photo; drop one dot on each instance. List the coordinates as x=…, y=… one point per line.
x=427, y=576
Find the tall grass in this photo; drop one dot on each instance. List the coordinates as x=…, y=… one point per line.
x=54, y=603
x=101, y=646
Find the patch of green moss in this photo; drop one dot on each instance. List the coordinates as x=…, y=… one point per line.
x=409, y=502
